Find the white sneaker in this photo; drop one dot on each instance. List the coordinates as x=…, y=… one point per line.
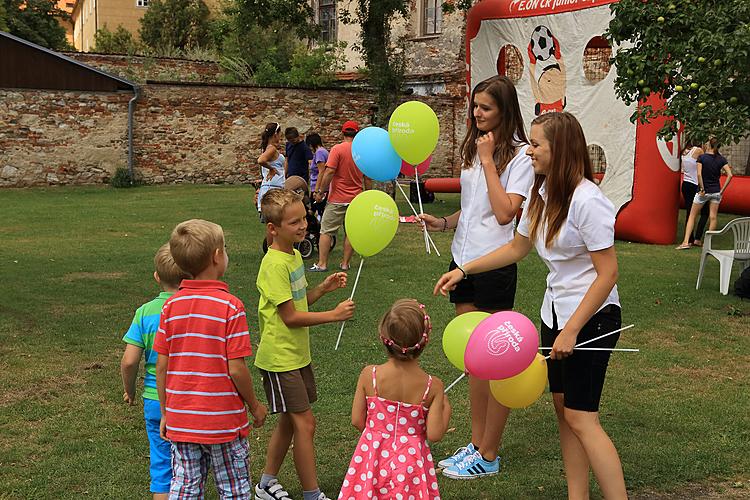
x=274, y=491
x=323, y=496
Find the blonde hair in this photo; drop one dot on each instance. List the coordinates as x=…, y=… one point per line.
x=405, y=329
x=193, y=244
x=169, y=272
x=274, y=203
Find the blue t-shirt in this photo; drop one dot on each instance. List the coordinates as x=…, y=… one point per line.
x=711, y=171
x=297, y=156
x=141, y=333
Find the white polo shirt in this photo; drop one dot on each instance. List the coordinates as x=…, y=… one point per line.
x=590, y=227
x=478, y=232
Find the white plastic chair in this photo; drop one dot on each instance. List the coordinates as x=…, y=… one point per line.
x=741, y=252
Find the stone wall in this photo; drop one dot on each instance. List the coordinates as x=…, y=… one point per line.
x=182, y=134
x=141, y=68
x=49, y=137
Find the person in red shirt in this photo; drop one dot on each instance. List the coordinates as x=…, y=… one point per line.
x=202, y=379
x=346, y=182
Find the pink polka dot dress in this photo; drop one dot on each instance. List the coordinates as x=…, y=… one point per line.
x=392, y=459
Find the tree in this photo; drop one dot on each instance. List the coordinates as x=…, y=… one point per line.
x=693, y=53
x=384, y=60
x=3, y=18
x=35, y=21
x=120, y=41
x=175, y=24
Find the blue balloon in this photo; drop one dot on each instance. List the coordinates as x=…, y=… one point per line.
x=374, y=155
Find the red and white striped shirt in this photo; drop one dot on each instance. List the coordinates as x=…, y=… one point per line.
x=202, y=327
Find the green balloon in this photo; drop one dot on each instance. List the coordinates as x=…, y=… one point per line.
x=414, y=131
x=371, y=222
x=456, y=336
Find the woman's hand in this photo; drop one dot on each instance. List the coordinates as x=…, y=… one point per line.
x=564, y=344
x=432, y=223
x=271, y=174
x=448, y=282
x=486, y=148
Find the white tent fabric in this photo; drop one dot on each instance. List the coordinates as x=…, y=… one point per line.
x=604, y=118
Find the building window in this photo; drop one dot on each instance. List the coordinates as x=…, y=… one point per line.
x=432, y=17
x=327, y=20
x=141, y=3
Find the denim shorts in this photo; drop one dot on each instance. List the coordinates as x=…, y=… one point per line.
x=710, y=197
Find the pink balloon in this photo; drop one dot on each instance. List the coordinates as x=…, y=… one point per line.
x=501, y=346
x=408, y=170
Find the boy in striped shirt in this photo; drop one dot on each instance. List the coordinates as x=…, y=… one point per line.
x=201, y=375
x=140, y=340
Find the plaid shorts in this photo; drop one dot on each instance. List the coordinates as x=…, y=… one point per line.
x=229, y=461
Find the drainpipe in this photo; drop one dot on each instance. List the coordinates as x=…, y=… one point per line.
x=131, y=111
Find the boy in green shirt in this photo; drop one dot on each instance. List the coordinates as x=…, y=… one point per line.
x=283, y=355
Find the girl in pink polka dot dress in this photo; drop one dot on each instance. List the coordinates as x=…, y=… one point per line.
x=398, y=407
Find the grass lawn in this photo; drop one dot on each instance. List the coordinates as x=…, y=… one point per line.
x=77, y=262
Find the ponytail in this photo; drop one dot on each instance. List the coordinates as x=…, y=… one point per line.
x=271, y=129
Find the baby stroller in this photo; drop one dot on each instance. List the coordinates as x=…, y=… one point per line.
x=307, y=246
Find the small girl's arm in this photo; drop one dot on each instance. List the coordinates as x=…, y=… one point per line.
x=728, y=170
x=359, y=406
x=440, y=411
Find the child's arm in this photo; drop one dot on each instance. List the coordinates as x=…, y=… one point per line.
x=331, y=283
x=727, y=169
x=359, y=405
x=131, y=358
x=161, y=389
x=243, y=381
x=440, y=412
x=295, y=319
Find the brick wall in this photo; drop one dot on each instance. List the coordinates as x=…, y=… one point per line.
x=183, y=133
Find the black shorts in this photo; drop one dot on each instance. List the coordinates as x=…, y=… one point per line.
x=580, y=376
x=491, y=291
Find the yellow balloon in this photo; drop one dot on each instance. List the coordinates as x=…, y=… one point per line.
x=414, y=131
x=523, y=389
x=371, y=222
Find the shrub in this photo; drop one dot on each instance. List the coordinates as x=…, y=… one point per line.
x=123, y=179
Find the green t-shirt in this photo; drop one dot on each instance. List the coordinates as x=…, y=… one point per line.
x=281, y=277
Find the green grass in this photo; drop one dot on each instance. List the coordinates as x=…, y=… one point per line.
x=76, y=262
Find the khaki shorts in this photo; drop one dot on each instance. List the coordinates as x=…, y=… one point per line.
x=290, y=392
x=333, y=218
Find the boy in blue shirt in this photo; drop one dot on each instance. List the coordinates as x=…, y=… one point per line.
x=140, y=340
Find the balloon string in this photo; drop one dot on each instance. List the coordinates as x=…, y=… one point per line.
x=354, y=289
x=421, y=208
x=454, y=383
x=600, y=337
x=417, y=215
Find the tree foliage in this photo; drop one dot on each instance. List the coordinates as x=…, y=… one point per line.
x=35, y=21
x=694, y=53
x=384, y=60
x=120, y=41
x=175, y=24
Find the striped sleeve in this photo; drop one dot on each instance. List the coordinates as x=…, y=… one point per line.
x=134, y=335
x=238, y=334
x=160, y=340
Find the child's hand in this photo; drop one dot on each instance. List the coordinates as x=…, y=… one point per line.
x=163, y=428
x=334, y=282
x=259, y=412
x=344, y=310
x=128, y=398
x=486, y=147
x=448, y=282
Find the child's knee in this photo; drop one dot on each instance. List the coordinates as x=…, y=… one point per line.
x=304, y=423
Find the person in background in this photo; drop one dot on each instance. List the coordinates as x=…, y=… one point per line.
x=298, y=154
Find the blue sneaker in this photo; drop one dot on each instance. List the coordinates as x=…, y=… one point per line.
x=472, y=467
x=459, y=455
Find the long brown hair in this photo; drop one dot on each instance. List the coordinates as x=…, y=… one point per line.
x=569, y=164
x=268, y=132
x=507, y=133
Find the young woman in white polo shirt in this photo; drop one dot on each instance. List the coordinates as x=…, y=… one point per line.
x=570, y=223
x=495, y=179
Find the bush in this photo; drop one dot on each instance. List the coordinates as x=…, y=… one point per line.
x=120, y=41
x=123, y=179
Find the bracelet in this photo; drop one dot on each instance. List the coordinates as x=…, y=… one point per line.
x=445, y=223
x=462, y=270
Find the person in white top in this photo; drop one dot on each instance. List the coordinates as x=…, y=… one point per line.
x=570, y=223
x=495, y=179
x=689, y=161
x=272, y=166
